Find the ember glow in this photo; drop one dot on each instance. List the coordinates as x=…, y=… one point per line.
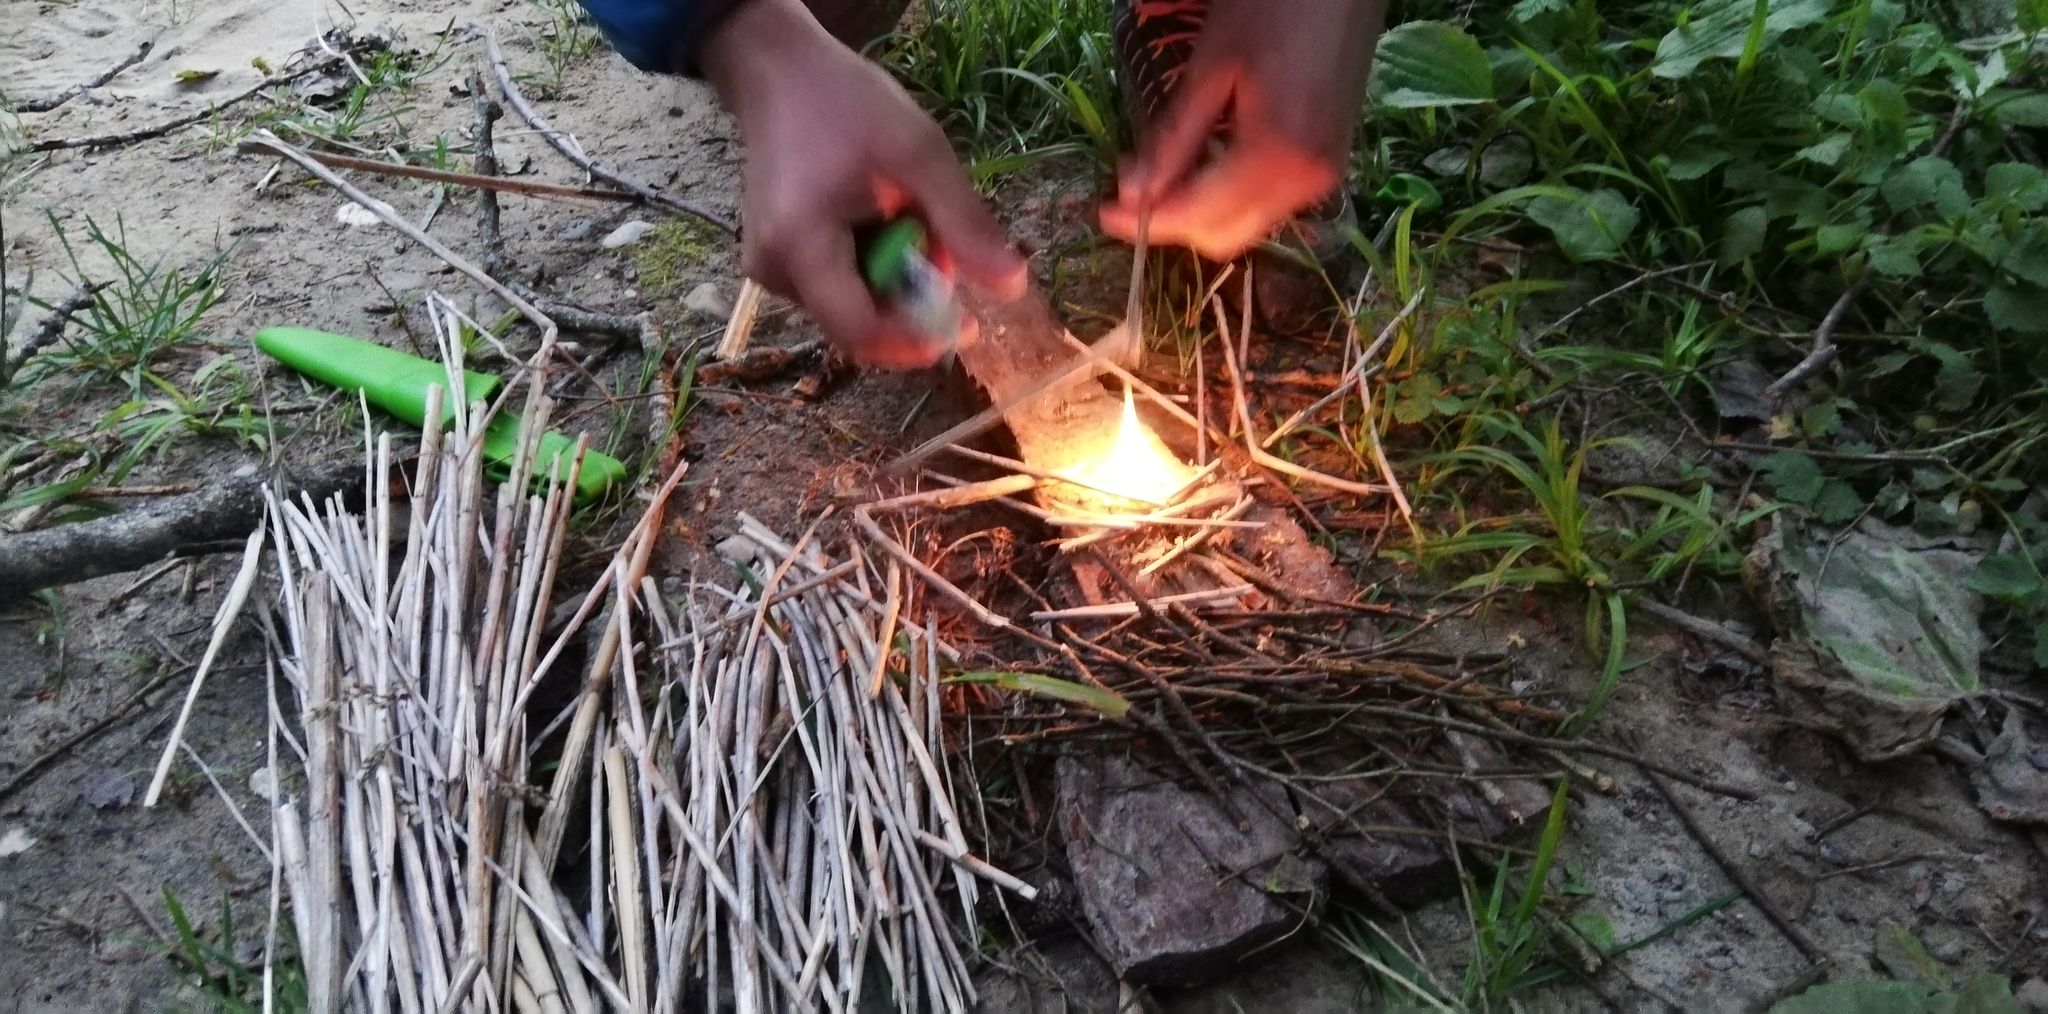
x=1134, y=464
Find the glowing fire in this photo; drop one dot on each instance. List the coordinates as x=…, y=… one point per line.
x=1135, y=465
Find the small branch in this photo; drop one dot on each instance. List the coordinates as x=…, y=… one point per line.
x=571, y=151
x=52, y=101
x=618, y=327
x=56, y=753
x=1824, y=349
x=1764, y=902
x=1707, y=630
x=207, y=113
x=224, y=511
x=52, y=327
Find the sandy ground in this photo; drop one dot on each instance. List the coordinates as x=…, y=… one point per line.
x=77, y=903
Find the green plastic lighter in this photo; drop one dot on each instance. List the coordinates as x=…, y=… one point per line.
x=398, y=383
x=895, y=263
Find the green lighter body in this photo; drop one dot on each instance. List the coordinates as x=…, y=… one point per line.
x=894, y=262
x=398, y=383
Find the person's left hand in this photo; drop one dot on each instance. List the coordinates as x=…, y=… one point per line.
x=1291, y=75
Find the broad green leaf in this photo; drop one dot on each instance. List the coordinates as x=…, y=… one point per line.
x=1693, y=162
x=2027, y=257
x=1987, y=993
x=1104, y=701
x=2021, y=308
x=1720, y=30
x=1742, y=236
x=1829, y=240
x=1837, y=503
x=1407, y=188
x=2020, y=108
x=1589, y=226
x=2007, y=578
x=1530, y=10
x=1892, y=257
x=1929, y=179
x=1793, y=475
x=1883, y=107
x=1828, y=151
x=2024, y=185
x=1864, y=998
x=1428, y=65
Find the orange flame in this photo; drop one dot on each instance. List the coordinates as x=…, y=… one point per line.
x=1135, y=465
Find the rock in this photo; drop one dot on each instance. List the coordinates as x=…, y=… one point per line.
x=707, y=300
x=1372, y=851
x=1153, y=865
x=578, y=230
x=2033, y=995
x=355, y=216
x=1720, y=961
x=626, y=235
x=111, y=790
x=15, y=842
x=2010, y=784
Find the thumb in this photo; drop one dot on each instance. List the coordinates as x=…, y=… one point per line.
x=966, y=234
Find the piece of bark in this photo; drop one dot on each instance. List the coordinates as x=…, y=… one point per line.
x=1174, y=891
x=223, y=514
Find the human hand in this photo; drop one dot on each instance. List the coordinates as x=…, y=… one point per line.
x=1290, y=75
x=833, y=144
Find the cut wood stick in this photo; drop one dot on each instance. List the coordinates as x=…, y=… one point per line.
x=223, y=622
x=957, y=496
x=739, y=327
x=1119, y=610
x=500, y=184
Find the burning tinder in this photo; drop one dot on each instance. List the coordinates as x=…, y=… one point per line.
x=1132, y=464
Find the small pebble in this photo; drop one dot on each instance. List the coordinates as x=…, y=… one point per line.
x=2033, y=994
x=1721, y=961
x=707, y=300
x=1757, y=850
x=578, y=230
x=1947, y=950
x=626, y=235
x=355, y=216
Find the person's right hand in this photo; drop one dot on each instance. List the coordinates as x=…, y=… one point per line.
x=832, y=144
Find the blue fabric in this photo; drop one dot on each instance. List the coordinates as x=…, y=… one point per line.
x=659, y=36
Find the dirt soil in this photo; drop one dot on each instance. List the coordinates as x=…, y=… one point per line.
x=84, y=868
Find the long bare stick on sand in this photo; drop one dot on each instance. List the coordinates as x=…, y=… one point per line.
x=574, y=153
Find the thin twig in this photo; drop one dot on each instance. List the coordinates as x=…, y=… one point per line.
x=207, y=113
x=50, y=329
x=71, y=742
x=55, y=99
x=1763, y=901
x=574, y=152
x=1824, y=349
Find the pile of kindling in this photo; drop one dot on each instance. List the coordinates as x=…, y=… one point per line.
x=748, y=809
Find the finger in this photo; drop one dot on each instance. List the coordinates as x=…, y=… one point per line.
x=967, y=236
x=1169, y=149
x=822, y=277
x=1237, y=202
